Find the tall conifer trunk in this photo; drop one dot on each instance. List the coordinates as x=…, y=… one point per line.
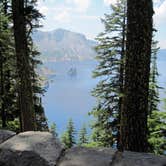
x=137, y=71
x=23, y=66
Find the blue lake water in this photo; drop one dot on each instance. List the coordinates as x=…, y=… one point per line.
x=70, y=97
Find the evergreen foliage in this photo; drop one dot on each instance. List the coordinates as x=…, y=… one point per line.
x=156, y=118
x=53, y=130
x=106, y=126
x=68, y=137
x=83, y=139
x=103, y=134
x=33, y=16
x=157, y=130
x=8, y=86
x=110, y=70
x=10, y=111
x=153, y=84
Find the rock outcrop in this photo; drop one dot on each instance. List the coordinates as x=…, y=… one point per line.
x=43, y=149
x=30, y=149
x=137, y=159
x=80, y=156
x=6, y=134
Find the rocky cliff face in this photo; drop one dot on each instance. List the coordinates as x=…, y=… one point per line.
x=42, y=149
x=62, y=44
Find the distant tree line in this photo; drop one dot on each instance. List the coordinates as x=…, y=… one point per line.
x=71, y=137
x=20, y=90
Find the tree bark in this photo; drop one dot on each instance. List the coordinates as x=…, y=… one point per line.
x=137, y=70
x=25, y=88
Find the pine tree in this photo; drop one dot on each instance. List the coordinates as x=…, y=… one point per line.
x=8, y=105
x=32, y=18
x=37, y=90
x=10, y=111
x=68, y=138
x=156, y=118
x=53, y=130
x=30, y=90
x=83, y=139
x=137, y=71
x=102, y=133
x=157, y=132
x=110, y=70
x=153, y=87
x=40, y=117
x=23, y=66
x=65, y=140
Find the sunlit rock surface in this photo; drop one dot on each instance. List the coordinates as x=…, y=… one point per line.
x=31, y=149
x=109, y=157
x=43, y=149
x=80, y=156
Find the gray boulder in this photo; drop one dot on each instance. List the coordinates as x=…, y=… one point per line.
x=30, y=149
x=6, y=134
x=79, y=156
x=24, y=158
x=138, y=159
x=43, y=149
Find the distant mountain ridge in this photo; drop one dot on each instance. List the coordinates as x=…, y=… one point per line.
x=61, y=44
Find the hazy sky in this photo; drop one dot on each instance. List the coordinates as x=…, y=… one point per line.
x=84, y=16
